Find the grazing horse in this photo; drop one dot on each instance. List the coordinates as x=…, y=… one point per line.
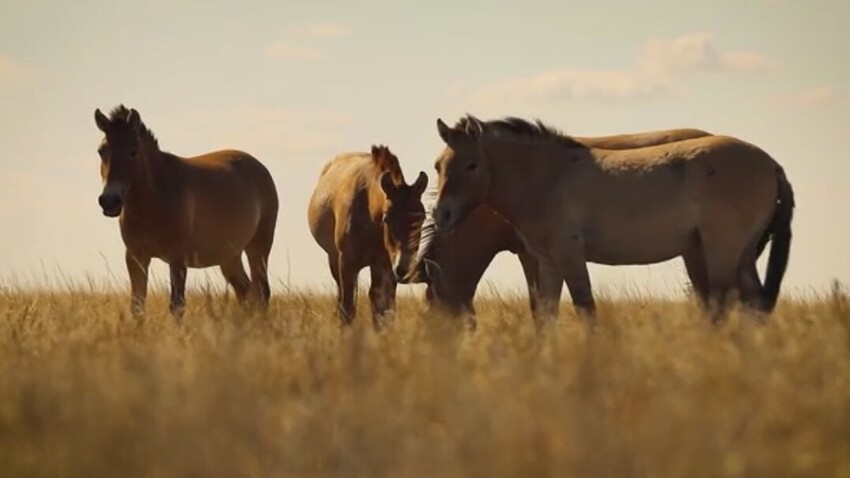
x=189, y=212
x=453, y=264
x=714, y=200
x=362, y=213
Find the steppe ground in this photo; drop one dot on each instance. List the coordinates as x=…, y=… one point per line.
x=654, y=391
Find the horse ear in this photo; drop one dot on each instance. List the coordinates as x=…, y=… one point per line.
x=134, y=120
x=101, y=120
x=445, y=131
x=387, y=184
x=475, y=129
x=421, y=183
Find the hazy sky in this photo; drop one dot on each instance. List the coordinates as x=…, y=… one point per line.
x=294, y=83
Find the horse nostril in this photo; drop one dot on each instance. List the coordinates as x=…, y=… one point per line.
x=102, y=201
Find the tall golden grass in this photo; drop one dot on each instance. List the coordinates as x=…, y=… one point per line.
x=655, y=390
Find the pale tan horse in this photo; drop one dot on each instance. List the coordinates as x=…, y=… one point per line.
x=189, y=212
x=452, y=264
x=714, y=200
x=362, y=213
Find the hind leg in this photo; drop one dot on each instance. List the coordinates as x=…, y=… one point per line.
x=694, y=259
x=258, y=251
x=258, y=263
x=347, y=290
x=752, y=291
x=722, y=258
x=235, y=275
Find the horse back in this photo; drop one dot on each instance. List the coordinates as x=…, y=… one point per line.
x=642, y=140
x=343, y=200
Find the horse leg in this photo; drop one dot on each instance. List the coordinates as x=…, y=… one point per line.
x=137, y=266
x=234, y=274
x=748, y=279
x=258, y=262
x=722, y=266
x=550, y=283
x=333, y=265
x=694, y=259
x=578, y=283
x=530, y=269
x=177, y=271
x=347, y=290
x=258, y=251
x=382, y=295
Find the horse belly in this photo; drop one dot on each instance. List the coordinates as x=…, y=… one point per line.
x=215, y=236
x=645, y=236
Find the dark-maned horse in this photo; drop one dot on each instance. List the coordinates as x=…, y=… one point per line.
x=362, y=213
x=714, y=200
x=189, y=212
x=452, y=264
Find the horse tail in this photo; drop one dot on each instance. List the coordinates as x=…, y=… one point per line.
x=779, y=230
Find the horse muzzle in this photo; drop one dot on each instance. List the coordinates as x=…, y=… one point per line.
x=402, y=274
x=446, y=216
x=110, y=204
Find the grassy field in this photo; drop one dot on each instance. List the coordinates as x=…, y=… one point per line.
x=85, y=390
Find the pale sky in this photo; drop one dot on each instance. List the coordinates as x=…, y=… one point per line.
x=295, y=83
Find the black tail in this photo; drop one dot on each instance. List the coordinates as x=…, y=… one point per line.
x=779, y=231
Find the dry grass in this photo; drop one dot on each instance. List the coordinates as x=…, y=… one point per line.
x=87, y=391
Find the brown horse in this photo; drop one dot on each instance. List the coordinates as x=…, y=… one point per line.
x=362, y=213
x=189, y=212
x=453, y=264
x=714, y=200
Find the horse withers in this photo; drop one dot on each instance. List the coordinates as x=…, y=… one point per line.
x=452, y=264
x=194, y=212
x=715, y=201
x=362, y=213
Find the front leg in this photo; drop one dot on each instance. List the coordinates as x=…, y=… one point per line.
x=178, y=269
x=530, y=269
x=550, y=283
x=578, y=283
x=137, y=267
x=382, y=294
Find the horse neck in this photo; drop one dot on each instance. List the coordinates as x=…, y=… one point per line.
x=518, y=171
x=151, y=188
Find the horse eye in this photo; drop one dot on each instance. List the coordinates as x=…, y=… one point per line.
x=134, y=153
x=471, y=166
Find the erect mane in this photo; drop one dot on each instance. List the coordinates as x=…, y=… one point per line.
x=121, y=113
x=427, y=232
x=387, y=161
x=519, y=128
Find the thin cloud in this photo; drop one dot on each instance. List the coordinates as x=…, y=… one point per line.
x=300, y=43
x=577, y=84
x=658, y=66
x=697, y=52
x=13, y=71
x=285, y=51
x=812, y=97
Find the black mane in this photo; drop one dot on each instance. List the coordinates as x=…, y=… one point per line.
x=121, y=113
x=519, y=127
